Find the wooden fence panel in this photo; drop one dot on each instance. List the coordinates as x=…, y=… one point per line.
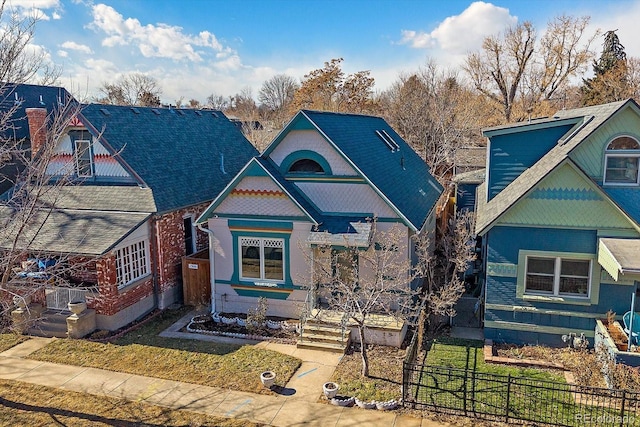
x=196, y=279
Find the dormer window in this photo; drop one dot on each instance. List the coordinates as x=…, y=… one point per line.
x=305, y=166
x=83, y=158
x=621, y=161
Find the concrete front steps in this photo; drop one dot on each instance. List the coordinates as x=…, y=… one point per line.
x=50, y=324
x=318, y=335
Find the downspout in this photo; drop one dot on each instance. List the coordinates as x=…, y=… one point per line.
x=211, y=265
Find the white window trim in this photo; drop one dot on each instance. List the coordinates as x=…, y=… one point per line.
x=77, y=157
x=628, y=153
x=593, y=293
x=635, y=154
x=556, y=277
x=132, y=270
x=261, y=249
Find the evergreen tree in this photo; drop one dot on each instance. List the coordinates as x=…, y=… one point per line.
x=610, y=82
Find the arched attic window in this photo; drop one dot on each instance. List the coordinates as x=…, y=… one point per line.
x=621, y=161
x=306, y=166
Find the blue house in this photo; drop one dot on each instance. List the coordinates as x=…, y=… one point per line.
x=320, y=181
x=559, y=217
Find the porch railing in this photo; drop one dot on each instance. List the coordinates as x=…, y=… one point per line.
x=59, y=298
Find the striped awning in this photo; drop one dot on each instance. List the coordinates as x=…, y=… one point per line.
x=620, y=257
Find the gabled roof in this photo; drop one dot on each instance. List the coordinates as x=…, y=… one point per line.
x=23, y=96
x=184, y=156
x=268, y=168
x=397, y=174
x=592, y=118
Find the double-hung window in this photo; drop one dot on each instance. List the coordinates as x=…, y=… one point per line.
x=132, y=263
x=621, y=162
x=558, y=276
x=262, y=258
x=83, y=158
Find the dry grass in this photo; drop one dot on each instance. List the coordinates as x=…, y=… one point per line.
x=25, y=404
x=385, y=374
x=143, y=352
x=583, y=364
x=9, y=340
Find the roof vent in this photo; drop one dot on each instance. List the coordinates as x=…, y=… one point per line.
x=180, y=112
x=199, y=113
x=16, y=101
x=135, y=110
x=214, y=114
x=386, y=138
x=41, y=101
x=105, y=112
x=155, y=111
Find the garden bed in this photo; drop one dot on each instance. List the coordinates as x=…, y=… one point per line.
x=234, y=325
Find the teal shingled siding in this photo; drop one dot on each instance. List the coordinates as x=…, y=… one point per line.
x=511, y=154
x=504, y=244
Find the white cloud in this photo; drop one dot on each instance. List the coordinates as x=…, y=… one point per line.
x=154, y=41
x=71, y=45
x=39, y=4
x=63, y=54
x=459, y=34
x=56, y=15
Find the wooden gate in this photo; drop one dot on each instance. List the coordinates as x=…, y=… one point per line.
x=196, y=279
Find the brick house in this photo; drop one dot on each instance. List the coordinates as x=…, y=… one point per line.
x=126, y=186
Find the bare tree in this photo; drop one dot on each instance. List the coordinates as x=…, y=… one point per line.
x=217, y=102
x=19, y=62
x=381, y=279
x=276, y=95
x=445, y=272
x=132, y=89
x=27, y=208
x=516, y=73
x=435, y=114
x=360, y=283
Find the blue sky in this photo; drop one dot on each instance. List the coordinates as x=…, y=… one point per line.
x=198, y=47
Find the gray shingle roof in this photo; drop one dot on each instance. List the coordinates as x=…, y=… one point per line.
x=101, y=197
x=594, y=117
x=185, y=156
x=71, y=231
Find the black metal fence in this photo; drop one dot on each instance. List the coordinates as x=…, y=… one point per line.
x=516, y=399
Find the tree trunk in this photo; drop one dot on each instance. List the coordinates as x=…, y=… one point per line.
x=363, y=352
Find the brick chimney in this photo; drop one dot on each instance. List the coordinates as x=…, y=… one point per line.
x=37, y=118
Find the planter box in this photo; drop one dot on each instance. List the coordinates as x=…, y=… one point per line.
x=603, y=340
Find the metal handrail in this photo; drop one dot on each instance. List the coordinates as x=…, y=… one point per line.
x=304, y=313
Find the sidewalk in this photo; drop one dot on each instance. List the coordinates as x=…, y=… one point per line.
x=297, y=404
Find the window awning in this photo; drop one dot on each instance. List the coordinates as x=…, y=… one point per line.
x=619, y=257
x=360, y=237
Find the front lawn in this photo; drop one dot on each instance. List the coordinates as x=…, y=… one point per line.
x=24, y=404
x=385, y=374
x=468, y=354
x=142, y=352
x=9, y=340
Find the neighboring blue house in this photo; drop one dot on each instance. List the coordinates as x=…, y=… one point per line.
x=559, y=217
x=318, y=182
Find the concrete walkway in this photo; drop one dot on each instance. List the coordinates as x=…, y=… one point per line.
x=294, y=405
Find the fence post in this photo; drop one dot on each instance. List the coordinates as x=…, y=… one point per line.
x=506, y=414
x=624, y=395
